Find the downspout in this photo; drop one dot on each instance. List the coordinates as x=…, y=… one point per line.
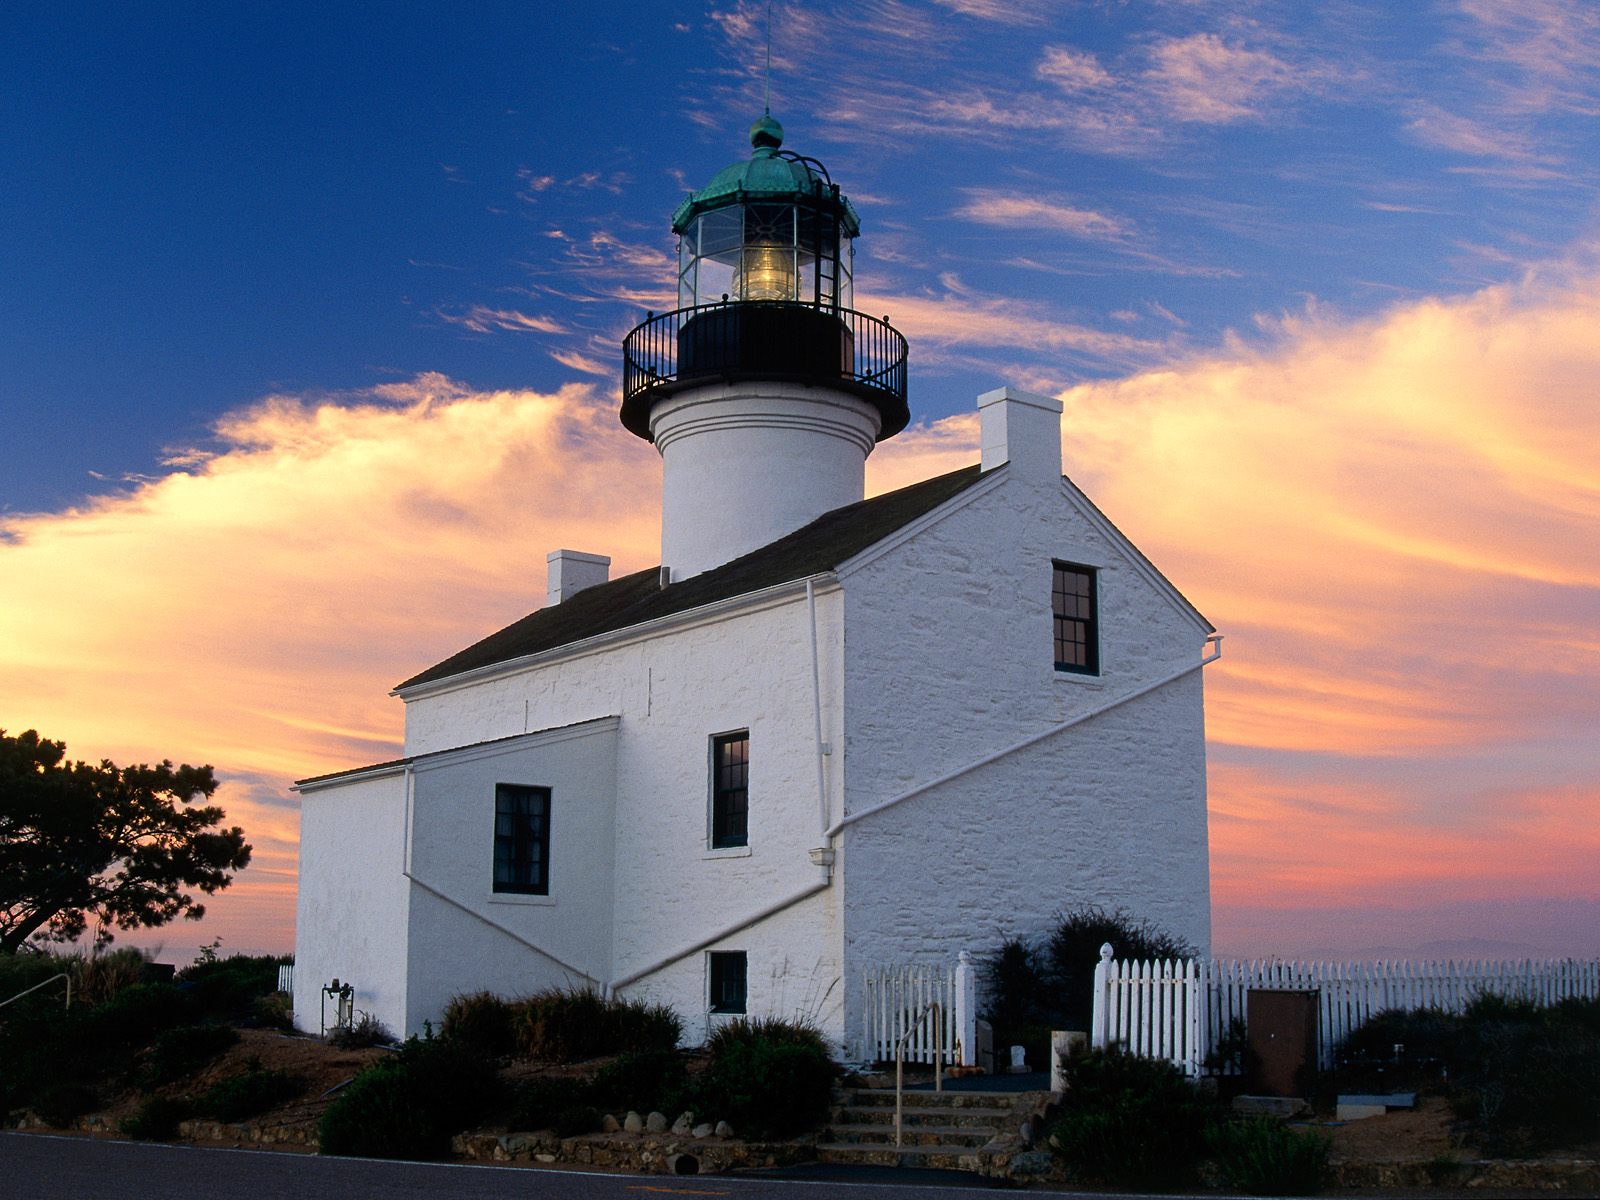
x=823, y=749
x=405, y=870
x=1079, y=719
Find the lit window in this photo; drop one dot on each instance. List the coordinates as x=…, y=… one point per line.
x=1076, y=624
x=521, y=839
x=729, y=971
x=730, y=790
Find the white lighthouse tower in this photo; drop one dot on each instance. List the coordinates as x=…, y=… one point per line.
x=764, y=391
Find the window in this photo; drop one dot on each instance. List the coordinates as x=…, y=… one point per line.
x=729, y=971
x=730, y=790
x=1077, y=626
x=521, y=839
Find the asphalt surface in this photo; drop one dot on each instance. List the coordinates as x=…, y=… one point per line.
x=48, y=1167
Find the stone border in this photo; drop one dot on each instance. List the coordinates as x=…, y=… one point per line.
x=647, y=1154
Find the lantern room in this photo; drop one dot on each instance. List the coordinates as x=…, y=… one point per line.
x=773, y=228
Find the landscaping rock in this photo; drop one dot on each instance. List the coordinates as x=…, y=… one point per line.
x=656, y=1123
x=633, y=1123
x=701, y=1131
x=609, y=1124
x=682, y=1126
x=724, y=1129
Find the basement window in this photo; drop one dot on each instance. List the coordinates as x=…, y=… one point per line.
x=730, y=790
x=1077, y=626
x=729, y=972
x=521, y=839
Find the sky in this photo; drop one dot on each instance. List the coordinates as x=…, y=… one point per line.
x=310, y=320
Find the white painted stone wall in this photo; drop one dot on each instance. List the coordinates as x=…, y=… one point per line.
x=674, y=690
x=745, y=463
x=465, y=937
x=949, y=657
x=353, y=908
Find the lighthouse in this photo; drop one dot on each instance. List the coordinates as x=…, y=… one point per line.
x=764, y=391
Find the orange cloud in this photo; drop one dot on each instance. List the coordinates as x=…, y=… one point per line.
x=1392, y=520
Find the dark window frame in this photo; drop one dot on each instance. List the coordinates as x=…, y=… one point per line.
x=521, y=840
x=730, y=790
x=1075, y=617
x=728, y=981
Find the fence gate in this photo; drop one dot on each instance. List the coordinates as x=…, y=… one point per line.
x=895, y=996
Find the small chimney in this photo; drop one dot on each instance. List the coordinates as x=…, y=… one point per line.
x=1023, y=429
x=570, y=571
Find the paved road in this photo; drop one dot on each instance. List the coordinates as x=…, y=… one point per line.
x=45, y=1167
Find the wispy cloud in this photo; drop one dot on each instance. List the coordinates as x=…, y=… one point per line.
x=1204, y=79
x=482, y=319
x=1013, y=210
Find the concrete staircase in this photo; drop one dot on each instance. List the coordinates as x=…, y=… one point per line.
x=959, y=1131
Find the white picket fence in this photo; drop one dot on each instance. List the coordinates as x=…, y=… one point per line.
x=1180, y=1009
x=895, y=996
x=286, y=978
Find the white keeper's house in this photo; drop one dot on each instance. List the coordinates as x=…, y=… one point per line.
x=827, y=734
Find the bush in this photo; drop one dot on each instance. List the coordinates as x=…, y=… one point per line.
x=136, y=1014
x=228, y=988
x=769, y=1079
x=61, y=1104
x=540, y=1103
x=1034, y=989
x=157, y=1120
x=646, y=1080
x=366, y=1031
x=1129, y=1122
x=570, y=1026
x=249, y=1093
x=410, y=1106
x=749, y=1031
x=275, y=1011
x=1265, y=1157
x=97, y=978
x=482, y=1020
x=181, y=1051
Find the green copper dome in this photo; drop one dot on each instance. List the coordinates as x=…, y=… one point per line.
x=765, y=177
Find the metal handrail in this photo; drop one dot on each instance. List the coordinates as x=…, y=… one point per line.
x=37, y=986
x=877, y=357
x=932, y=1006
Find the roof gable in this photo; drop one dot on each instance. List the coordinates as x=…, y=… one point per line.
x=635, y=599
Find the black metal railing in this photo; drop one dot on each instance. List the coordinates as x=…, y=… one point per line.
x=745, y=339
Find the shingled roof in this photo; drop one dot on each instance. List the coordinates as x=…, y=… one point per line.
x=634, y=599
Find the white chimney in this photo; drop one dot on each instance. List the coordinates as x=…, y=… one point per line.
x=570, y=571
x=1023, y=429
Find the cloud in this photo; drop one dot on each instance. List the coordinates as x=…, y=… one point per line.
x=480, y=318
x=1203, y=79
x=1013, y=211
x=1072, y=70
x=1434, y=126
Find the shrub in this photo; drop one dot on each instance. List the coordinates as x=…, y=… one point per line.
x=249, y=1093
x=157, y=1120
x=1264, y=1157
x=410, y=1106
x=97, y=978
x=183, y=1050
x=274, y=1011
x=136, y=1014
x=365, y=1031
x=1034, y=989
x=772, y=1030
x=483, y=1021
x=771, y=1079
x=61, y=1104
x=1129, y=1122
x=539, y=1103
x=229, y=987
x=570, y=1026
x=644, y=1080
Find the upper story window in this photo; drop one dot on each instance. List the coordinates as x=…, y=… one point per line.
x=1077, y=623
x=521, y=839
x=730, y=790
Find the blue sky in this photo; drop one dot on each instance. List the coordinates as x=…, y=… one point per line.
x=310, y=318
x=208, y=204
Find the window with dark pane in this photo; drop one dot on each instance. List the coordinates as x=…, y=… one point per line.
x=729, y=972
x=1077, y=626
x=730, y=790
x=521, y=839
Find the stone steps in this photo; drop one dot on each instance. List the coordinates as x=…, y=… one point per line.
x=884, y=1097
x=877, y=1133
x=863, y=1114
x=952, y=1131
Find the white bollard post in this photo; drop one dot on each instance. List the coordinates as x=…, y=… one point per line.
x=967, y=1008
